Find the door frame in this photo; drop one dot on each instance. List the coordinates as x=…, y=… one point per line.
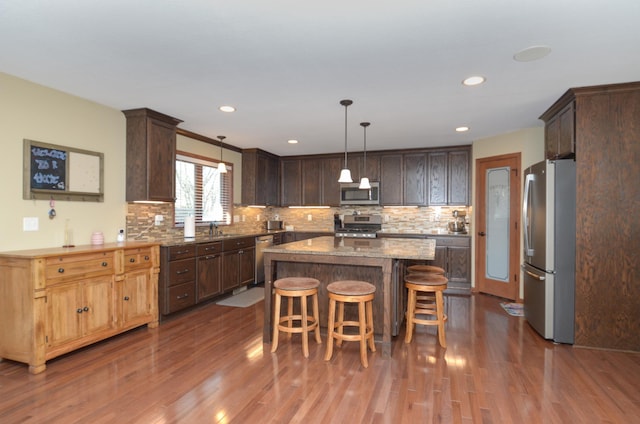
x=512, y=290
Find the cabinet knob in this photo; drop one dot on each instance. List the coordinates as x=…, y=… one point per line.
x=146, y=258
x=85, y=309
x=79, y=310
x=132, y=260
x=60, y=270
x=126, y=298
x=104, y=264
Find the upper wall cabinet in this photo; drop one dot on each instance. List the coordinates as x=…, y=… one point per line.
x=415, y=179
x=449, y=177
x=291, y=182
x=559, y=133
x=151, y=155
x=260, y=178
x=391, y=179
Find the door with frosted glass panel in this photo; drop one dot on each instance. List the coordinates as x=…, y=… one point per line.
x=497, y=224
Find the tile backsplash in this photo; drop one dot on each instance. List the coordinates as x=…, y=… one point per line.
x=141, y=219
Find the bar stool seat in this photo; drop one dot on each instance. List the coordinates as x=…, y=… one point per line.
x=429, y=286
x=432, y=269
x=362, y=294
x=296, y=288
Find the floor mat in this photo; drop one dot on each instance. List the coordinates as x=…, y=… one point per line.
x=244, y=299
x=513, y=309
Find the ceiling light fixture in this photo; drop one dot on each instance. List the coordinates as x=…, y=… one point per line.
x=292, y=141
x=462, y=129
x=345, y=174
x=222, y=168
x=474, y=80
x=227, y=109
x=364, y=181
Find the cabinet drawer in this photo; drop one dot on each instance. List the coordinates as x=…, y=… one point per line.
x=137, y=258
x=79, y=265
x=182, y=252
x=181, y=296
x=208, y=248
x=239, y=243
x=182, y=271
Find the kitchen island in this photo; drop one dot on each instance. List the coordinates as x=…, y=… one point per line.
x=328, y=259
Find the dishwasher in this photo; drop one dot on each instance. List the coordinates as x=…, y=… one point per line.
x=262, y=242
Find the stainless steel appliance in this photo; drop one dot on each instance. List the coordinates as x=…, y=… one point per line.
x=274, y=225
x=458, y=225
x=262, y=242
x=363, y=226
x=351, y=194
x=549, y=229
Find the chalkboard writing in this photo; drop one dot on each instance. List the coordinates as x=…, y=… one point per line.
x=48, y=168
x=54, y=172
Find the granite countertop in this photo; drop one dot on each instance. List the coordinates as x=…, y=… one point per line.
x=430, y=233
x=394, y=248
x=88, y=248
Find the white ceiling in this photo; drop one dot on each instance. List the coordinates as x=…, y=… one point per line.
x=286, y=64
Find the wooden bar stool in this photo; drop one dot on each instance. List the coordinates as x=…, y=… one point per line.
x=296, y=288
x=351, y=291
x=432, y=269
x=427, y=285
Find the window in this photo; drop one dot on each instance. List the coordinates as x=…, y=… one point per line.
x=202, y=191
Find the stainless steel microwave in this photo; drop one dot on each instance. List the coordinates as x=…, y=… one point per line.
x=351, y=194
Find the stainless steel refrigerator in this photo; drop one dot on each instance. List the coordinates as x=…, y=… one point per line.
x=549, y=227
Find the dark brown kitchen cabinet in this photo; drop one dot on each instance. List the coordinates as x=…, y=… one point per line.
x=177, y=283
x=391, y=179
x=291, y=182
x=209, y=267
x=559, y=134
x=151, y=155
x=359, y=170
x=260, y=178
x=454, y=255
x=238, y=262
x=448, y=181
x=311, y=182
x=415, y=179
x=330, y=186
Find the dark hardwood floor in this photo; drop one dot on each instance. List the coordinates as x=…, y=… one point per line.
x=209, y=366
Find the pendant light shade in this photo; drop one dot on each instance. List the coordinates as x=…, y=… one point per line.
x=364, y=181
x=345, y=174
x=222, y=168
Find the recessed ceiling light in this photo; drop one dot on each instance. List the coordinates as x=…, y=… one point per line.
x=532, y=53
x=227, y=108
x=474, y=80
x=292, y=141
x=462, y=129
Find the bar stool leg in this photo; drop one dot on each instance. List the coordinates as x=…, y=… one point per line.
x=330, y=329
x=276, y=322
x=305, y=325
x=441, y=318
x=363, y=334
x=372, y=344
x=411, y=309
x=340, y=323
x=290, y=313
x=316, y=316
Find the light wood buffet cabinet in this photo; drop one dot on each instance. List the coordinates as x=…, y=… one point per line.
x=54, y=301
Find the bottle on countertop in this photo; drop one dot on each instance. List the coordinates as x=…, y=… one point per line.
x=120, y=237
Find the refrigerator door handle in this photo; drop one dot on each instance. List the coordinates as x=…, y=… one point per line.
x=533, y=275
x=529, y=251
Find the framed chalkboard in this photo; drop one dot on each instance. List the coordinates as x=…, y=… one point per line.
x=62, y=173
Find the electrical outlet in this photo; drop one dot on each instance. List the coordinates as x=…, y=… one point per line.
x=309, y=217
x=386, y=218
x=158, y=220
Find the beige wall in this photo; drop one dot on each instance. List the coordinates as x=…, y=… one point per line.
x=529, y=142
x=42, y=114
x=38, y=113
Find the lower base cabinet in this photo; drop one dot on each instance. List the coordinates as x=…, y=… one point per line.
x=54, y=301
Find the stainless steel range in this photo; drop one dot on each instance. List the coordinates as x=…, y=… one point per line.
x=362, y=226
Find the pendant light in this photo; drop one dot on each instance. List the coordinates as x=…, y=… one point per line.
x=364, y=181
x=345, y=174
x=222, y=168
